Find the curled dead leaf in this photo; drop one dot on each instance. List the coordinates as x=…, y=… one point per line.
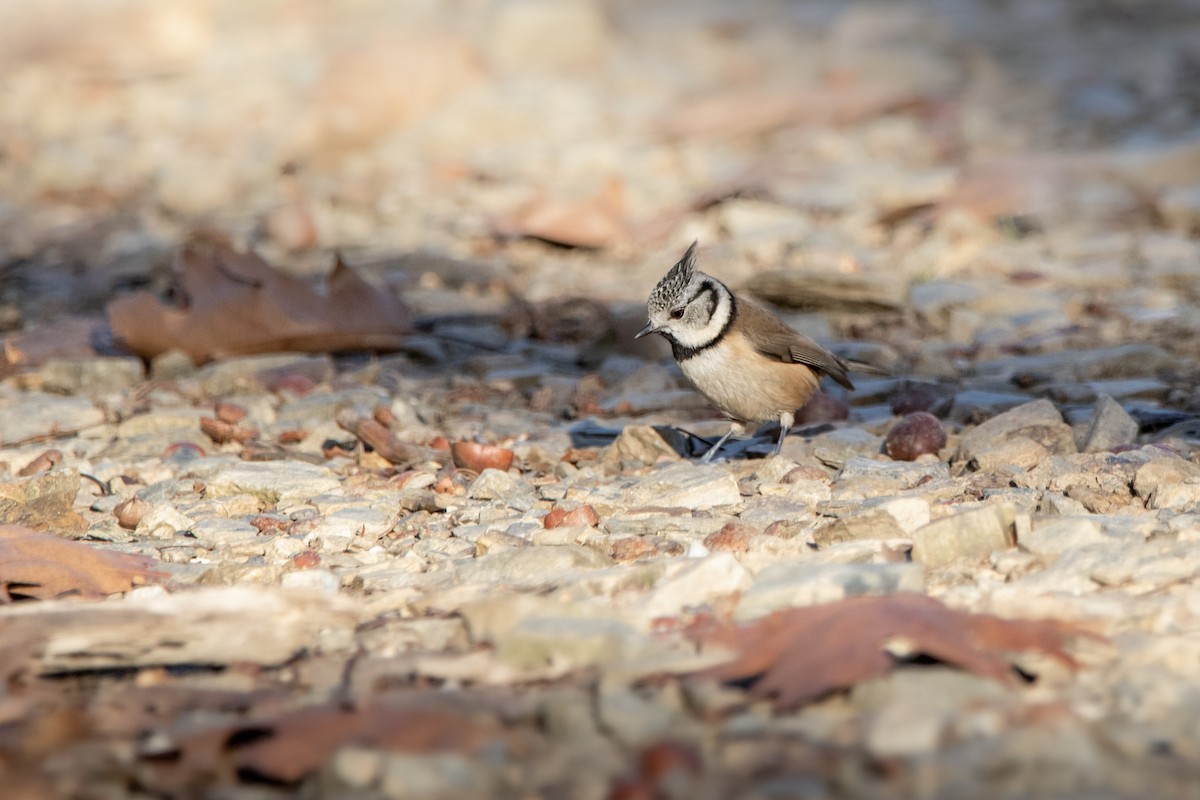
x=800, y=654
x=43, y=463
x=234, y=303
x=129, y=512
x=596, y=221
x=478, y=457
x=383, y=441
x=41, y=566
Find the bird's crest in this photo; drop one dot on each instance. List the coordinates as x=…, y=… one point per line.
x=679, y=276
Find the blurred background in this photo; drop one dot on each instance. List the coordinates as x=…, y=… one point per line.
x=953, y=162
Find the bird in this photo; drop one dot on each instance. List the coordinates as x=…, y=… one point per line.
x=744, y=360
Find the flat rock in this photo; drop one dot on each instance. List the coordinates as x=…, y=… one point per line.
x=1167, y=482
x=686, y=485
x=547, y=565
x=218, y=532
x=637, y=445
x=830, y=291
x=271, y=481
x=1105, y=363
x=568, y=642
x=32, y=414
x=973, y=534
x=216, y=626
x=43, y=502
x=697, y=582
x=1038, y=422
x=863, y=477
x=794, y=584
x=974, y=404
x=258, y=373
x=1110, y=427
x=93, y=377
x=1053, y=536
x=872, y=523
x=494, y=484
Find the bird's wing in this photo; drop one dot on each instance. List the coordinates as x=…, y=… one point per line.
x=774, y=339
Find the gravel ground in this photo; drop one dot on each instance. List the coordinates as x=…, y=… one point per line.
x=485, y=562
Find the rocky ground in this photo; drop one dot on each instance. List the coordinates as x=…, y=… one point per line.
x=475, y=555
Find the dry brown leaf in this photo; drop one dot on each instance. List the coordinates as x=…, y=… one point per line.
x=384, y=442
x=233, y=303
x=45, y=462
x=68, y=338
x=42, y=566
x=596, y=221
x=286, y=747
x=800, y=654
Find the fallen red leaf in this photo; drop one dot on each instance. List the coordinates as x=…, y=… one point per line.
x=284, y=748
x=233, y=303
x=68, y=338
x=596, y=221
x=42, y=566
x=800, y=654
x=383, y=441
x=43, y=463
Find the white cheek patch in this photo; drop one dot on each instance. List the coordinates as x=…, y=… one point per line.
x=695, y=336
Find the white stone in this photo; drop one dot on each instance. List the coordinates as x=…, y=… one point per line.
x=686, y=485
x=697, y=582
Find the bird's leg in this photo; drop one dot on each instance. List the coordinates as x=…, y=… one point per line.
x=786, y=420
x=735, y=429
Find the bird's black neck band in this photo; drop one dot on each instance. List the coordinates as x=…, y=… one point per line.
x=683, y=352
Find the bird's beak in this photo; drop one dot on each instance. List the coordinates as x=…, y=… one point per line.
x=648, y=329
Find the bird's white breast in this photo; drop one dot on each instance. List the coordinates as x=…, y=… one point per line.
x=746, y=385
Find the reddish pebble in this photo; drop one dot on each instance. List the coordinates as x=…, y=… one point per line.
x=631, y=548
x=229, y=412
x=630, y=789
x=559, y=517
x=222, y=432
x=733, y=538
x=384, y=416
x=915, y=435
x=305, y=559
x=478, y=457
x=292, y=436
x=660, y=761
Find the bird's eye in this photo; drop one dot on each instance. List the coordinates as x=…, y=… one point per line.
x=676, y=313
